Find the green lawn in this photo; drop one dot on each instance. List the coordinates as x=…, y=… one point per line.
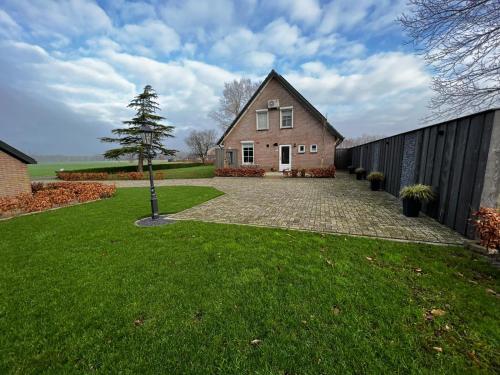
x=48, y=169
x=203, y=171
x=83, y=290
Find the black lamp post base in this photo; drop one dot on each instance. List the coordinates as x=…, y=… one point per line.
x=149, y=222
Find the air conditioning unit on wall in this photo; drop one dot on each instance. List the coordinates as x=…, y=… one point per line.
x=274, y=103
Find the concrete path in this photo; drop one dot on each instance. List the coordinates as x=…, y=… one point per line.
x=340, y=205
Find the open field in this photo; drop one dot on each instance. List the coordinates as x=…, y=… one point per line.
x=48, y=169
x=84, y=290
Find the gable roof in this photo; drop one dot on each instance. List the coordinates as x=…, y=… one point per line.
x=16, y=153
x=308, y=106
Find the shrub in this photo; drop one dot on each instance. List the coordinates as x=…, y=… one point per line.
x=79, y=176
x=487, y=224
x=55, y=195
x=135, y=175
x=327, y=172
x=359, y=171
x=419, y=192
x=36, y=186
x=376, y=176
x=239, y=172
x=302, y=172
x=294, y=172
x=133, y=168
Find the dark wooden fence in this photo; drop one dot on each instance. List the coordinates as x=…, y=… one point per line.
x=451, y=156
x=342, y=158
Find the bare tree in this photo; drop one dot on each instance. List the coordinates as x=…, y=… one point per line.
x=460, y=39
x=200, y=141
x=234, y=97
x=365, y=138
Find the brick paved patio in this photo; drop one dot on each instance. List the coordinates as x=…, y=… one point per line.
x=340, y=205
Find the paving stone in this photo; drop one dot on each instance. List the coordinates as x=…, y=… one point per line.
x=339, y=205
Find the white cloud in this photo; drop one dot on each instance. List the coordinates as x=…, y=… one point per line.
x=8, y=27
x=151, y=38
x=193, y=15
x=373, y=95
x=307, y=11
x=360, y=14
x=72, y=17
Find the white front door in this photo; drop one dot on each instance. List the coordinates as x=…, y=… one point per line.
x=285, y=157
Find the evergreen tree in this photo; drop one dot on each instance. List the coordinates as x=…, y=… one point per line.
x=129, y=137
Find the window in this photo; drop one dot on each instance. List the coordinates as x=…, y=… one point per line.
x=262, y=119
x=302, y=149
x=314, y=148
x=286, y=117
x=247, y=152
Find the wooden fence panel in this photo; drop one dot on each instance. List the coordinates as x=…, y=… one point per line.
x=450, y=156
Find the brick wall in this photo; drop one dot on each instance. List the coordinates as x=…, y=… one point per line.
x=306, y=130
x=14, y=178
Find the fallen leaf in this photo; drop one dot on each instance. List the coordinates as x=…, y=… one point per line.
x=255, y=342
x=438, y=312
x=472, y=356
x=438, y=349
x=447, y=327
x=428, y=316
x=369, y=258
x=460, y=274
x=491, y=291
x=418, y=270
x=329, y=262
x=335, y=310
x=138, y=322
x=304, y=321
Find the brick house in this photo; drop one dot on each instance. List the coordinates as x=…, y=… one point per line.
x=278, y=129
x=14, y=178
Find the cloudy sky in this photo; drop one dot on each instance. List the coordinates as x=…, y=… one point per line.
x=69, y=68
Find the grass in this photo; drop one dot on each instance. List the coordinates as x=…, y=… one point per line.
x=84, y=290
x=48, y=169
x=204, y=171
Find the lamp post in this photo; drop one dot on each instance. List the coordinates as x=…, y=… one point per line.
x=147, y=142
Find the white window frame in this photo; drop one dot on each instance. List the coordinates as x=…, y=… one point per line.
x=311, y=148
x=257, y=119
x=243, y=143
x=281, y=117
x=303, y=147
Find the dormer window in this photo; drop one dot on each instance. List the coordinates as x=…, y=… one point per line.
x=286, y=117
x=262, y=119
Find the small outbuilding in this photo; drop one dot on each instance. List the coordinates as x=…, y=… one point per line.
x=14, y=177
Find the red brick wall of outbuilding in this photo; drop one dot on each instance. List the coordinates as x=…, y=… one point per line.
x=14, y=178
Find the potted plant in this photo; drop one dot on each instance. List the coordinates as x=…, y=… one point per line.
x=375, y=179
x=351, y=169
x=360, y=173
x=413, y=196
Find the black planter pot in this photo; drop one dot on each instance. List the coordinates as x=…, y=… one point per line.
x=351, y=170
x=361, y=176
x=375, y=185
x=411, y=207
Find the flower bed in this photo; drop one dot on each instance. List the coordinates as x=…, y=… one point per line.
x=327, y=172
x=240, y=172
x=487, y=224
x=88, y=176
x=44, y=197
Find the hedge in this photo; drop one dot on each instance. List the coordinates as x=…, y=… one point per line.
x=44, y=197
x=85, y=176
x=239, y=172
x=133, y=168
